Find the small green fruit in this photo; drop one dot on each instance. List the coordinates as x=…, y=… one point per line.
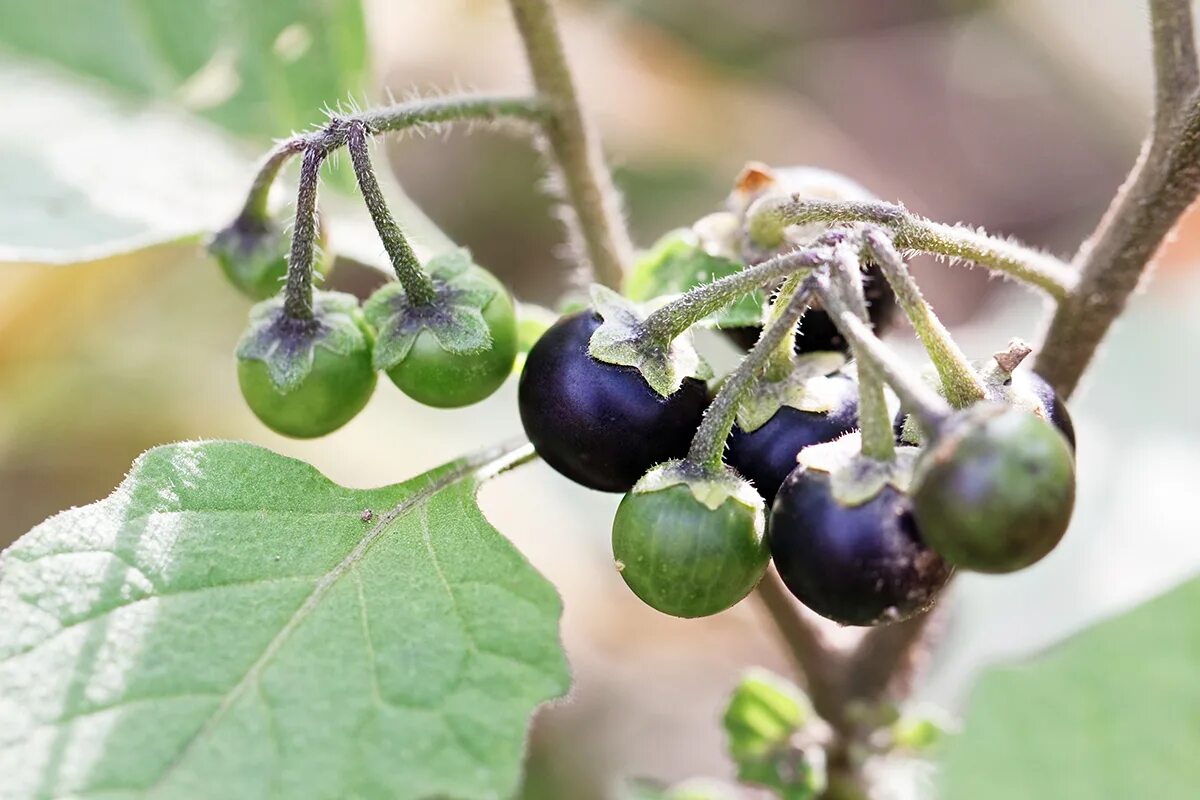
x=995, y=491
x=689, y=544
x=253, y=255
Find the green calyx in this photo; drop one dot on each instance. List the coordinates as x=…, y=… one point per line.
x=690, y=543
x=621, y=339
x=855, y=479
x=807, y=386
x=252, y=253
x=681, y=261
x=287, y=347
x=995, y=490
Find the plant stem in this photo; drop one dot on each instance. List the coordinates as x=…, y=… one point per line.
x=875, y=423
x=780, y=363
x=770, y=217
x=918, y=398
x=298, y=292
x=416, y=283
x=1164, y=182
x=960, y=383
x=593, y=200
x=677, y=316
x=395, y=117
x=708, y=445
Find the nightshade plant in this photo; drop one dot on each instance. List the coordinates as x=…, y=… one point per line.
x=866, y=484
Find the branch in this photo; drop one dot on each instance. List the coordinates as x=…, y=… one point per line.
x=593, y=200
x=1164, y=182
x=768, y=218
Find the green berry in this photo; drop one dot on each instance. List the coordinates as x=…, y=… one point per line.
x=253, y=255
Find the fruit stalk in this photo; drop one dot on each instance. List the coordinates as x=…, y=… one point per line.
x=960, y=383
x=770, y=217
x=298, y=299
x=874, y=420
x=416, y=283
x=918, y=398
x=677, y=316
x=708, y=446
x=592, y=199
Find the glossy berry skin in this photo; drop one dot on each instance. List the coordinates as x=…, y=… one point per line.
x=767, y=455
x=334, y=391
x=436, y=377
x=996, y=489
x=600, y=424
x=817, y=331
x=683, y=558
x=857, y=565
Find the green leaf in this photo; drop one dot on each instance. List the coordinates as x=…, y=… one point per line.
x=262, y=69
x=692, y=789
x=229, y=623
x=102, y=177
x=676, y=264
x=1114, y=712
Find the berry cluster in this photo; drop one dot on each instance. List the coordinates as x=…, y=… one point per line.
x=797, y=458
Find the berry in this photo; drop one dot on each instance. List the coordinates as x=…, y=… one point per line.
x=435, y=376
x=767, y=455
x=856, y=565
x=253, y=253
x=817, y=331
x=306, y=378
x=995, y=490
x=601, y=424
x=687, y=556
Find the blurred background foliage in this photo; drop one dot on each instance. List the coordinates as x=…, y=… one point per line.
x=1010, y=114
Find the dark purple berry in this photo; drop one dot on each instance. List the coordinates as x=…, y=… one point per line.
x=767, y=455
x=601, y=424
x=856, y=565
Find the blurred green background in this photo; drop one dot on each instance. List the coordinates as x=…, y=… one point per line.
x=1014, y=115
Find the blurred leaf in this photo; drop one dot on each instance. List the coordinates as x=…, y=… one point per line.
x=262, y=69
x=763, y=715
x=694, y=789
x=229, y=623
x=1114, y=712
x=676, y=264
x=97, y=177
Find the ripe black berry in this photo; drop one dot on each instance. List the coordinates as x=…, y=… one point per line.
x=767, y=455
x=856, y=565
x=817, y=331
x=601, y=424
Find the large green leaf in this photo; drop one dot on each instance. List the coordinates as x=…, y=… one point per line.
x=1114, y=712
x=257, y=68
x=229, y=623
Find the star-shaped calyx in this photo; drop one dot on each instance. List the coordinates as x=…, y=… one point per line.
x=454, y=317
x=808, y=385
x=287, y=345
x=622, y=339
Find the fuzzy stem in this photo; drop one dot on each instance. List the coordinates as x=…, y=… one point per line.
x=918, y=398
x=770, y=217
x=1164, y=182
x=589, y=189
x=960, y=383
x=875, y=423
x=675, y=317
x=416, y=283
x=395, y=117
x=298, y=292
x=708, y=446
x=781, y=361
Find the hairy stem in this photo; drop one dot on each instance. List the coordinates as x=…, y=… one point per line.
x=586, y=180
x=780, y=363
x=1164, y=182
x=919, y=399
x=960, y=383
x=677, y=316
x=875, y=423
x=395, y=117
x=708, y=445
x=416, y=283
x=298, y=292
x=770, y=217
